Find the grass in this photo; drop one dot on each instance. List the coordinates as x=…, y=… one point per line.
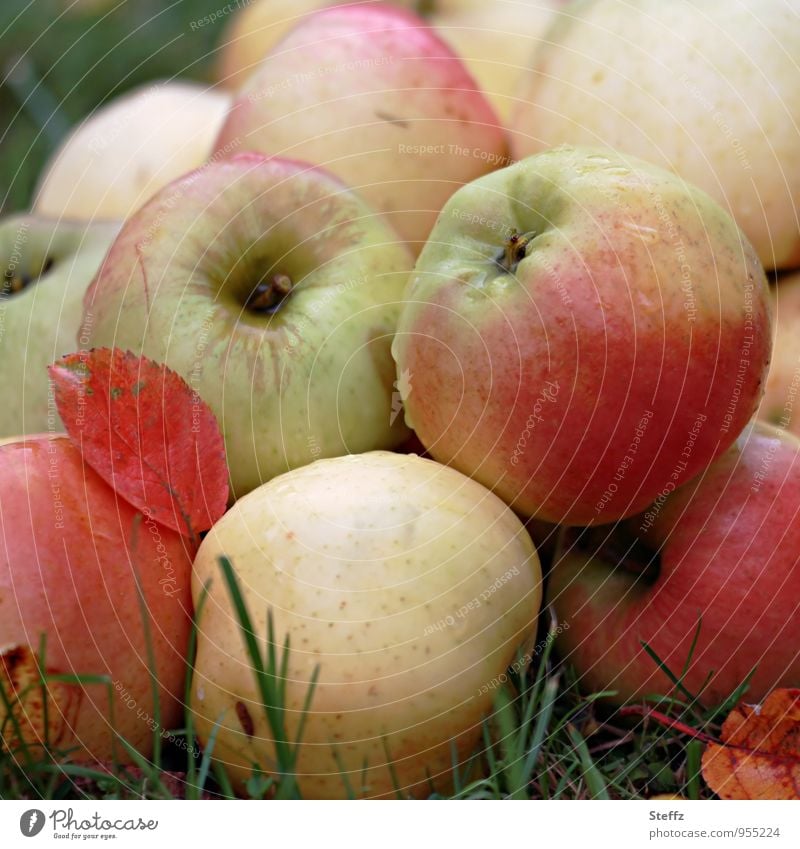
x=544, y=740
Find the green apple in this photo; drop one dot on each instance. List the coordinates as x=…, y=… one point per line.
x=719, y=554
x=410, y=586
x=48, y=267
x=124, y=152
x=707, y=88
x=496, y=40
x=582, y=330
x=274, y=291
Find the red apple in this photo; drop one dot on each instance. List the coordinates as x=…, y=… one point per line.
x=581, y=330
x=723, y=552
x=71, y=553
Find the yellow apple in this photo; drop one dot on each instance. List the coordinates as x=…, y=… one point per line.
x=707, y=88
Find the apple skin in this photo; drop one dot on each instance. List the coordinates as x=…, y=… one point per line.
x=570, y=386
x=410, y=585
x=122, y=154
x=728, y=552
x=374, y=95
x=40, y=322
x=708, y=88
x=495, y=41
x=313, y=379
x=71, y=552
x=780, y=402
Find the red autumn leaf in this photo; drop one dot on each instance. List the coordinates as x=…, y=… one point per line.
x=759, y=756
x=141, y=427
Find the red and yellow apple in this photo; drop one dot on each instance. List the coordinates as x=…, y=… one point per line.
x=73, y=554
x=582, y=329
x=256, y=27
x=410, y=586
x=721, y=553
x=49, y=266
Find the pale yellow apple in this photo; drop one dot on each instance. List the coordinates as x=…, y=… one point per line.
x=496, y=41
x=253, y=30
x=412, y=588
x=374, y=95
x=115, y=160
x=49, y=266
x=708, y=88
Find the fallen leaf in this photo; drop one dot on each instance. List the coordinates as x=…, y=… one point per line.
x=759, y=756
x=143, y=429
x=29, y=722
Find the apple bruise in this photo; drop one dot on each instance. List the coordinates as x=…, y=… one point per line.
x=25, y=689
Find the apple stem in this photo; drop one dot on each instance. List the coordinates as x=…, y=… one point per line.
x=268, y=295
x=514, y=251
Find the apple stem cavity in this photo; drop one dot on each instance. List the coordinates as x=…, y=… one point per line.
x=269, y=295
x=515, y=249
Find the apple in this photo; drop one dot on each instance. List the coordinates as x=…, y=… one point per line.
x=73, y=552
x=123, y=153
x=721, y=552
x=48, y=267
x=707, y=88
x=255, y=28
x=783, y=381
x=496, y=41
x=373, y=94
x=408, y=584
x=274, y=291
x=581, y=329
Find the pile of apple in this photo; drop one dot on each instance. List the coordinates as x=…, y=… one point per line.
x=529, y=238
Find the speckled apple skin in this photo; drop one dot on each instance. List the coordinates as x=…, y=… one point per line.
x=633, y=304
x=365, y=562
x=373, y=94
x=730, y=555
x=709, y=88
x=72, y=553
x=313, y=380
